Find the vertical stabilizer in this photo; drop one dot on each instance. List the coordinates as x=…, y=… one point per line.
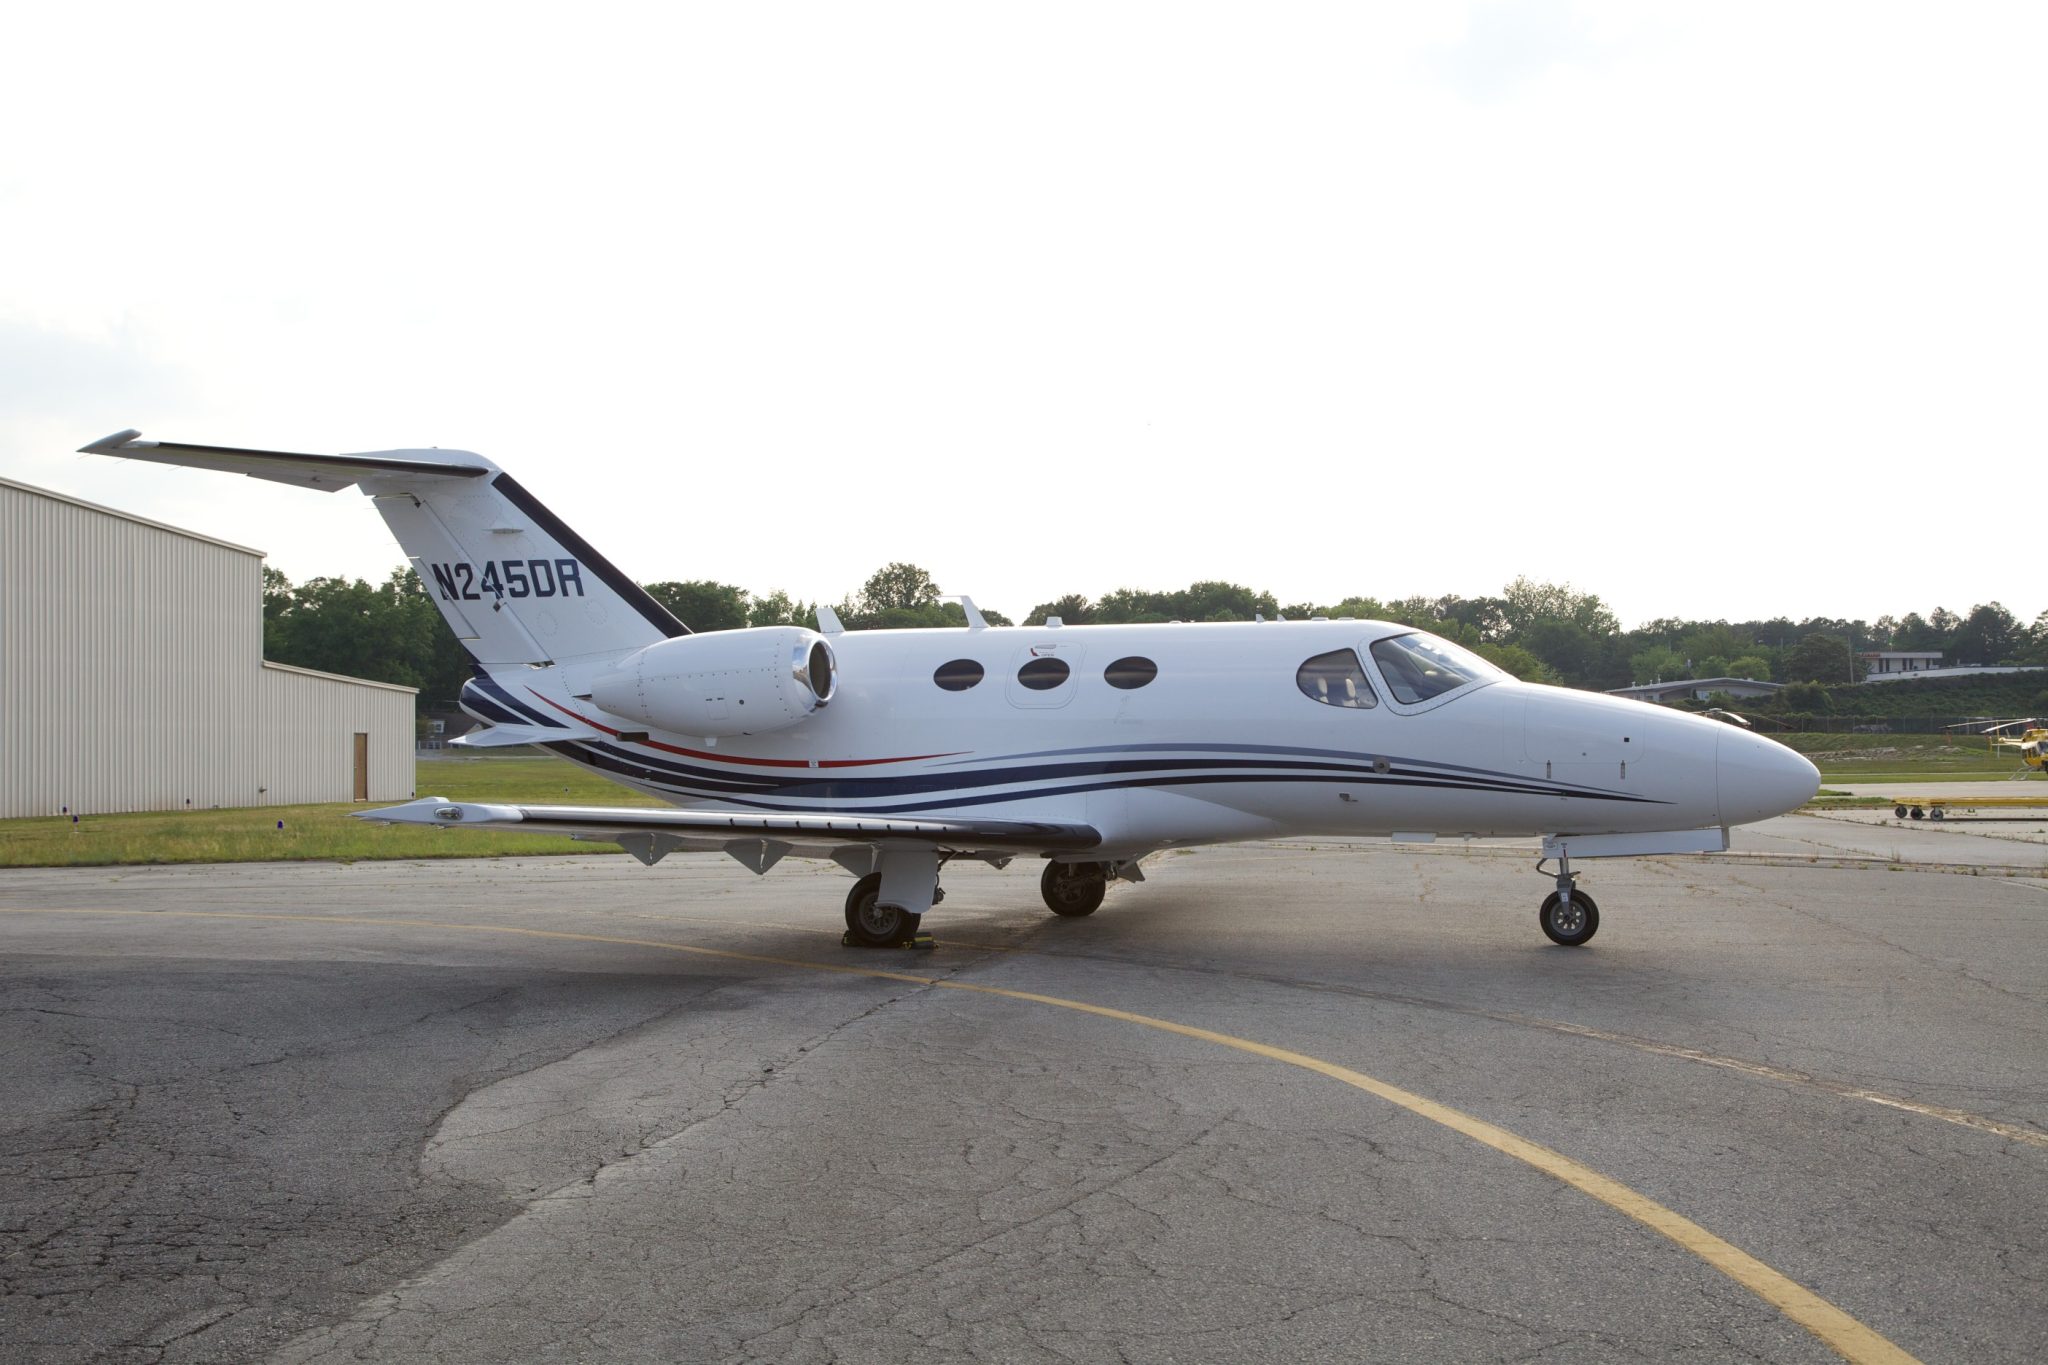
x=517, y=584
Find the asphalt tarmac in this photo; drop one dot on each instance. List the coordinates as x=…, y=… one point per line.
x=1280, y=1102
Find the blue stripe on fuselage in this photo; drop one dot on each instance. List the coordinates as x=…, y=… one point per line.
x=1026, y=783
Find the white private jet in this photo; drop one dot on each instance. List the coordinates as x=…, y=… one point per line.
x=891, y=752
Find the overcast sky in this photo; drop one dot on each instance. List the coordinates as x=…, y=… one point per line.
x=1717, y=310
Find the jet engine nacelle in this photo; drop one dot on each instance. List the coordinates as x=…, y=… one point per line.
x=728, y=682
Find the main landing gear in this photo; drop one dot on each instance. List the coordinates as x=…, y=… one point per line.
x=1569, y=917
x=886, y=907
x=870, y=924
x=1072, y=890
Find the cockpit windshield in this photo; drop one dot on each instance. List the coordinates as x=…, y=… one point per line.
x=1421, y=667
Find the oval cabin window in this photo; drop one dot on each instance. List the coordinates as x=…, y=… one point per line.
x=1131, y=672
x=1043, y=675
x=958, y=675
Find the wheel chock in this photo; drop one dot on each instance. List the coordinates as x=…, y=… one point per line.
x=916, y=942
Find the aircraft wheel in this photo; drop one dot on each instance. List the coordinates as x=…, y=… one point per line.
x=1569, y=925
x=1072, y=890
x=877, y=926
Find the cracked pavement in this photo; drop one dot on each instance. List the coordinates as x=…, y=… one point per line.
x=401, y=1139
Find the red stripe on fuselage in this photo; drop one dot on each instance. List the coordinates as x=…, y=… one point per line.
x=750, y=762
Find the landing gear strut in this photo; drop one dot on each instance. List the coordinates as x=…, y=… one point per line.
x=1569, y=917
x=1072, y=890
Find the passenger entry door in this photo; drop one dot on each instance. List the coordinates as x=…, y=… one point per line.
x=1044, y=675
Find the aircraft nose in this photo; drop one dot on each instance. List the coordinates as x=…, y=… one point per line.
x=1759, y=778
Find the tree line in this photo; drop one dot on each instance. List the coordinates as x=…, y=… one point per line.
x=1542, y=632
x=393, y=632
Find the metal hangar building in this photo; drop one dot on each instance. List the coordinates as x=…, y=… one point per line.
x=132, y=677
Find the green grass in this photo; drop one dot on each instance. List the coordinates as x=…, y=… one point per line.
x=522, y=775
x=1917, y=758
x=324, y=832
x=1827, y=799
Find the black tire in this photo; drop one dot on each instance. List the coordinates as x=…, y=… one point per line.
x=877, y=926
x=1899, y=812
x=1919, y=814
x=1569, y=926
x=1072, y=890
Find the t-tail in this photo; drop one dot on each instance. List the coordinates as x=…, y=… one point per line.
x=517, y=585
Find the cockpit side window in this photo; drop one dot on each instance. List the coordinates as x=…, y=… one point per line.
x=1336, y=679
x=1419, y=667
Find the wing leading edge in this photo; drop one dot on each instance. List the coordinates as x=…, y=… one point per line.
x=759, y=841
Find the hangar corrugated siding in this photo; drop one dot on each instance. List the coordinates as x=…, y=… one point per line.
x=307, y=738
x=131, y=672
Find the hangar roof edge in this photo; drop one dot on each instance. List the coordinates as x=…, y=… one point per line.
x=339, y=677
x=55, y=496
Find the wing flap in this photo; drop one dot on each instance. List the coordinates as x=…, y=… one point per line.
x=717, y=827
x=329, y=473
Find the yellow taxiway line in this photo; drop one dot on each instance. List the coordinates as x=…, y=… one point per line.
x=1841, y=1333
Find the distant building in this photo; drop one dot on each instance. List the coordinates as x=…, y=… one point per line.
x=1880, y=663
x=132, y=677
x=1953, y=671
x=1699, y=689
x=442, y=726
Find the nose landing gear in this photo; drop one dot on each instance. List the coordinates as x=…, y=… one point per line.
x=1569, y=917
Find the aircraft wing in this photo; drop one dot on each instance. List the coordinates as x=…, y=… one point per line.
x=329, y=473
x=757, y=839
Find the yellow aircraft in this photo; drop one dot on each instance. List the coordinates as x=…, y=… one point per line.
x=2031, y=742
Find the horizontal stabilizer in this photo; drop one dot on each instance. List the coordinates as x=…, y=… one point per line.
x=713, y=829
x=329, y=473
x=515, y=584
x=503, y=736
